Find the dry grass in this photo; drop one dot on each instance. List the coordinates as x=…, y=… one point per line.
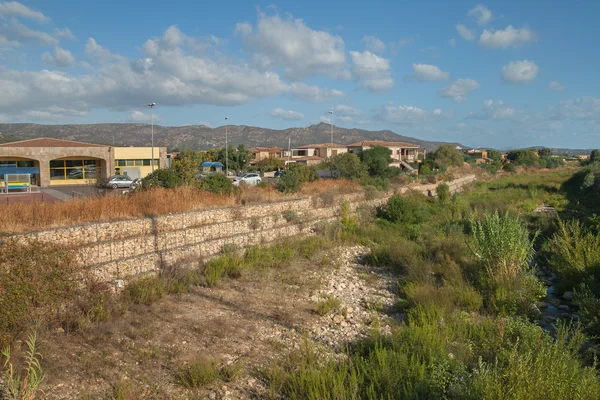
x=20, y=217
x=23, y=217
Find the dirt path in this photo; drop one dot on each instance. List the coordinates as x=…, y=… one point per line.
x=254, y=320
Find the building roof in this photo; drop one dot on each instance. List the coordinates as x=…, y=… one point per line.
x=267, y=149
x=49, y=142
x=328, y=145
x=308, y=158
x=371, y=143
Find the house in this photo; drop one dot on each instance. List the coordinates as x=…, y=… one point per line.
x=480, y=156
x=57, y=162
x=401, y=151
x=262, y=153
x=312, y=154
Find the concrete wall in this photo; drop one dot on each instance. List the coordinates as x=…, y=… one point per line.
x=123, y=249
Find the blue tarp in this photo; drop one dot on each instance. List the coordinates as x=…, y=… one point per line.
x=211, y=164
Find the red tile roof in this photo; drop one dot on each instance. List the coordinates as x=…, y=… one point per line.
x=371, y=143
x=265, y=149
x=328, y=145
x=49, y=142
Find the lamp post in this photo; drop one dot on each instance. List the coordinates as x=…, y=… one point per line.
x=331, y=112
x=152, y=105
x=226, y=151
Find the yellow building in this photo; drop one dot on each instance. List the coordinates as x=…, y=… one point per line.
x=137, y=161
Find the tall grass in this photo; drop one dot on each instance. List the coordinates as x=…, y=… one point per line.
x=502, y=244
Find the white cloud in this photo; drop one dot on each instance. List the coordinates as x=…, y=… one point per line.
x=312, y=94
x=452, y=42
x=18, y=10
x=427, y=73
x=459, y=89
x=373, y=44
x=6, y=42
x=16, y=31
x=509, y=37
x=287, y=115
x=64, y=34
x=242, y=28
x=205, y=123
x=556, y=86
x=176, y=75
x=409, y=115
x=52, y=113
x=465, y=32
x=140, y=116
x=585, y=108
x=92, y=48
x=348, y=114
x=291, y=44
x=325, y=119
x=481, y=14
x=498, y=110
x=372, y=70
x=521, y=72
x=62, y=58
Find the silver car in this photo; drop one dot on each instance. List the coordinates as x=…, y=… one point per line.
x=120, y=181
x=250, y=179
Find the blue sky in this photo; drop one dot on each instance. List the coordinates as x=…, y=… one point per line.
x=498, y=73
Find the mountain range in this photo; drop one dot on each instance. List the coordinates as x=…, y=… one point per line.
x=202, y=137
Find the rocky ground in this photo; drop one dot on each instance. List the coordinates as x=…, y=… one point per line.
x=254, y=320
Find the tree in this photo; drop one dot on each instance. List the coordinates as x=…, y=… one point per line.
x=545, y=152
x=270, y=164
x=187, y=166
x=448, y=156
x=495, y=155
x=594, y=156
x=377, y=160
x=522, y=157
x=237, y=157
x=346, y=165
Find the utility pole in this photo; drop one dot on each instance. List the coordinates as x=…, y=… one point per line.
x=152, y=105
x=226, y=151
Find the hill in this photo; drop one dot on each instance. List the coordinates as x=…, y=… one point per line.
x=202, y=137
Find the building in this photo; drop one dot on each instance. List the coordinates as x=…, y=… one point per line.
x=55, y=162
x=480, y=156
x=401, y=151
x=262, y=153
x=312, y=154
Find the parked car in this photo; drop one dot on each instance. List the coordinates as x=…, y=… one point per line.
x=279, y=174
x=120, y=181
x=250, y=179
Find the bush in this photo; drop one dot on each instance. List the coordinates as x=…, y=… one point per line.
x=37, y=282
x=200, y=373
x=509, y=167
x=289, y=183
x=217, y=183
x=145, y=290
x=327, y=305
x=443, y=193
x=502, y=245
x=574, y=253
x=403, y=210
x=164, y=178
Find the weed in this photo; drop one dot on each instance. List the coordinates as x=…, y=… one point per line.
x=254, y=223
x=23, y=387
x=290, y=216
x=230, y=372
x=146, y=290
x=327, y=305
x=199, y=373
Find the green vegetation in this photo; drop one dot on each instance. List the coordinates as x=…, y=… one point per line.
x=296, y=175
x=327, y=305
x=467, y=291
x=346, y=165
x=22, y=386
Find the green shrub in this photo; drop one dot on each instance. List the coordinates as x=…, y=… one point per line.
x=589, y=309
x=198, y=374
x=146, y=290
x=510, y=167
x=229, y=265
x=574, y=253
x=327, y=305
x=290, y=216
x=217, y=183
x=37, y=282
x=289, y=183
x=502, y=245
x=22, y=386
x=404, y=210
x=443, y=193
x=163, y=177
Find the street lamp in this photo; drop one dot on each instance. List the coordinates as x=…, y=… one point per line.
x=152, y=105
x=331, y=112
x=226, y=151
